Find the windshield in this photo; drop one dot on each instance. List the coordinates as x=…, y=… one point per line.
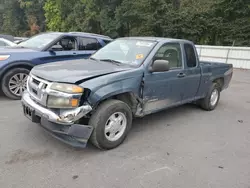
x=127, y=51
x=39, y=41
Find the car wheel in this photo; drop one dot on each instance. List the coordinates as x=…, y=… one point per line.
x=212, y=99
x=111, y=121
x=14, y=83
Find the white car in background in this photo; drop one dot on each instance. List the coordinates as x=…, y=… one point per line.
x=5, y=43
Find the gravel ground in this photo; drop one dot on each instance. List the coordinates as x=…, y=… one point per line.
x=182, y=147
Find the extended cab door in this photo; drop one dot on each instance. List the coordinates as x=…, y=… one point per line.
x=164, y=89
x=191, y=73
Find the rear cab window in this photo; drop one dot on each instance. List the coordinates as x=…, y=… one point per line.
x=190, y=56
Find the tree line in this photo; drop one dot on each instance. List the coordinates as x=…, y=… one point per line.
x=212, y=22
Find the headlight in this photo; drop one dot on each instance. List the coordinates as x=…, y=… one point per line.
x=67, y=88
x=4, y=57
x=62, y=102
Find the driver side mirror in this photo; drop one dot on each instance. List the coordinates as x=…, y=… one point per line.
x=56, y=48
x=159, y=66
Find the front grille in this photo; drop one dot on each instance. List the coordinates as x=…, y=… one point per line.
x=36, y=87
x=37, y=82
x=34, y=91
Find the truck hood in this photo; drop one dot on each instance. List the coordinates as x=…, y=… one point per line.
x=15, y=49
x=76, y=70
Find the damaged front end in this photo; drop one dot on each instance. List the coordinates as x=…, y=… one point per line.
x=61, y=122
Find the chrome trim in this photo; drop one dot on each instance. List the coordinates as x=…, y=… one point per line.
x=39, y=79
x=43, y=93
x=64, y=116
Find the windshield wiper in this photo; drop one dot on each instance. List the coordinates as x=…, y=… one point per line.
x=93, y=58
x=111, y=61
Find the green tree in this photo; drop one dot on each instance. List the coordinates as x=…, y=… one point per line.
x=108, y=23
x=65, y=15
x=142, y=17
x=12, y=18
x=53, y=15
x=215, y=22
x=232, y=20
x=34, y=15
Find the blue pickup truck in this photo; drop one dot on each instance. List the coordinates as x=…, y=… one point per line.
x=17, y=61
x=97, y=98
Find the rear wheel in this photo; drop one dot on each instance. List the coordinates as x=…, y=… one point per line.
x=14, y=82
x=212, y=99
x=111, y=121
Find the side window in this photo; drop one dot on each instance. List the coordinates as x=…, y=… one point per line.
x=172, y=53
x=67, y=44
x=89, y=44
x=190, y=55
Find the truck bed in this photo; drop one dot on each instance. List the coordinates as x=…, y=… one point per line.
x=217, y=70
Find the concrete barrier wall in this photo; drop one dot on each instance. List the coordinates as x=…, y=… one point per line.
x=238, y=56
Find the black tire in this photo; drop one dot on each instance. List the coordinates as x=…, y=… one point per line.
x=99, y=119
x=6, y=79
x=206, y=102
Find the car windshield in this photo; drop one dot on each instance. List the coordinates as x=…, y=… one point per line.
x=126, y=51
x=39, y=41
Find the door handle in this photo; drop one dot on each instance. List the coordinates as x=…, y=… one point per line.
x=181, y=75
x=74, y=53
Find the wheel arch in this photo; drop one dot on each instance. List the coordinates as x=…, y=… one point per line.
x=219, y=81
x=128, y=97
x=21, y=64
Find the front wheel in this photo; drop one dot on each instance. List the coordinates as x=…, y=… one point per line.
x=111, y=121
x=14, y=83
x=210, y=102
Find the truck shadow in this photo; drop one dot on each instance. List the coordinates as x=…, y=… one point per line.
x=142, y=130
x=3, y=98
x=162, y=119
x=150, y=122
x=166, y=114
x=140, y=126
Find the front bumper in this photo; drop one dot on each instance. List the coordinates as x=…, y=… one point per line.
x=60, y=123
